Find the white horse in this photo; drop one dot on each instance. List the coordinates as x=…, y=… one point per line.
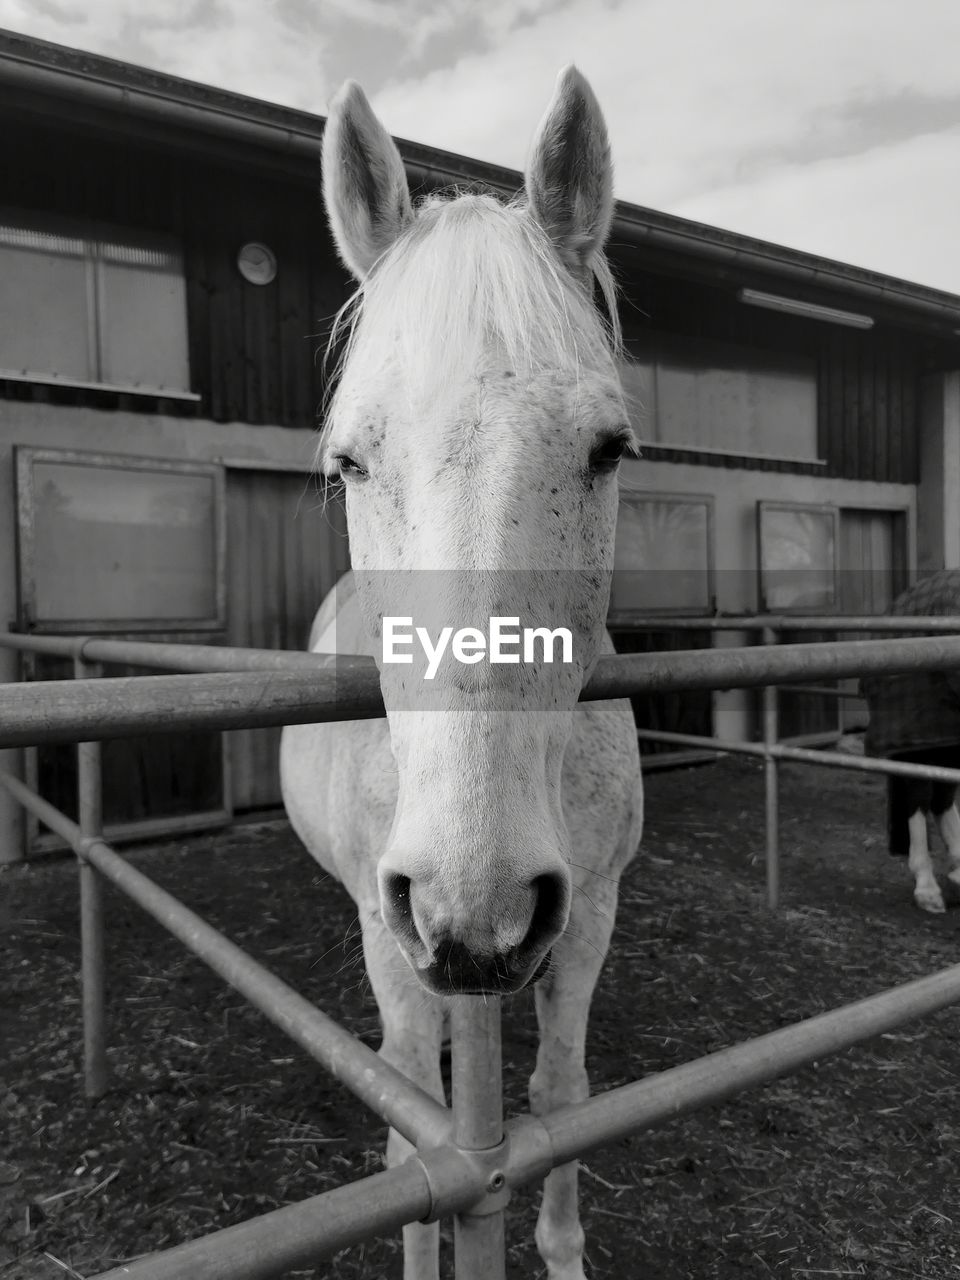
x=477, y=425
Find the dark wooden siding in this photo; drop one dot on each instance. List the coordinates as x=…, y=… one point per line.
x=253, y=349
x=868, y=382
x=286, y=547
x=687, y=712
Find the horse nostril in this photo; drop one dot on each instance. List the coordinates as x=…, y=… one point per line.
x=395, y=894
x=397, y=909
x=551, y=903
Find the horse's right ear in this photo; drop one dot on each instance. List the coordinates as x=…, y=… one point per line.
x=364, y=181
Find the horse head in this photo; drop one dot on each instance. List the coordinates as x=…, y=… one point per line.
x=477, y=426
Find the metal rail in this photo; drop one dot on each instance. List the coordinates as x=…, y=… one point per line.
x=577, y=1129
x=180, y=657
x=787, y=622
x=821, y=690
x=120, y=706
x=804, y=755
x=298, y=1235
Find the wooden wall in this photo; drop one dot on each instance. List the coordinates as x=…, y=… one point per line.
x=286, y=547
x=253, y=349
x=868, y=382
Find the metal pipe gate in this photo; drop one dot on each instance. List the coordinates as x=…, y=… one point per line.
x=467, y=1160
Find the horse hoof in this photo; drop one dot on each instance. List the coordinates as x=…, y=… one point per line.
x=929, y=900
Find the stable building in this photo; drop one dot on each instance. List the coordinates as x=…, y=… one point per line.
x=167, y=283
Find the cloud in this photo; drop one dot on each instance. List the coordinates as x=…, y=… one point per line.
x=689, y=86
x=831, y=124
x=244, y=45
x=893, y=209
x=264, y=59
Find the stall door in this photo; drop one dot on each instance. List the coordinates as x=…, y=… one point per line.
x=873, y=559
x=286, y=547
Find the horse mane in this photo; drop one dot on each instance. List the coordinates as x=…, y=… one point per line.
x=468, y=270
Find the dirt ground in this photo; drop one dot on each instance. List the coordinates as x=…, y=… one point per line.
x=849, y=1168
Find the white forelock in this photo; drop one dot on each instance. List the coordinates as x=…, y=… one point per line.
x=472, y=280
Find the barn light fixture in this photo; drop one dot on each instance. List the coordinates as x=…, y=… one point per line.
x=795, y=307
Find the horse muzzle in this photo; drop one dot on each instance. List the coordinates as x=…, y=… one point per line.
x=454, y=957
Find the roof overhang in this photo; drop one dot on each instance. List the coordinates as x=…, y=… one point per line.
x=39, y=79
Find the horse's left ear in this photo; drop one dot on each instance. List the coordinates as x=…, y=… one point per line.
x=364, y=181
x=570, y=175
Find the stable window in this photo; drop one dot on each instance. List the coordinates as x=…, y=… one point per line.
x=827, y=560
x=798, y=557
x=716, y=397
x=663, y=559
x=92, y=306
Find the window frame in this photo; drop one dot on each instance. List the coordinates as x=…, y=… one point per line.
x=622, y=619
x=93, y=233
x=816, y=508
x=24, y=460
x=645, y=351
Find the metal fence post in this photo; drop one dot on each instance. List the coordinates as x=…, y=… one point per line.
x=90, y=820
x=476, y=1076
x=771, y=766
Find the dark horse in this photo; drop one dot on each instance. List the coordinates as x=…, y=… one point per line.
x=916, y=717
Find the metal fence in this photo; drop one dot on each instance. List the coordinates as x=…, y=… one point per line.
x=468, y=1159
x=770, y=749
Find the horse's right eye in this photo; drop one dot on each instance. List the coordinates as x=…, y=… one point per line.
x=349, y=467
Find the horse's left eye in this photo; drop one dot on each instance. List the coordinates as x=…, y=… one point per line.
x=607, y=454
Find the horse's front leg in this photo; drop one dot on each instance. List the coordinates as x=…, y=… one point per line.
x=926, y=892
x=412, y=1022
x=563, y=1006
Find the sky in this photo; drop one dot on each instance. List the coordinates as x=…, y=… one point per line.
x=831, y=126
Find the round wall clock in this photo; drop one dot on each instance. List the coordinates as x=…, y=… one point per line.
x=256, y=263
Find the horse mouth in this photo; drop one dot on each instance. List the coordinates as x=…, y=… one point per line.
x=442, y=979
